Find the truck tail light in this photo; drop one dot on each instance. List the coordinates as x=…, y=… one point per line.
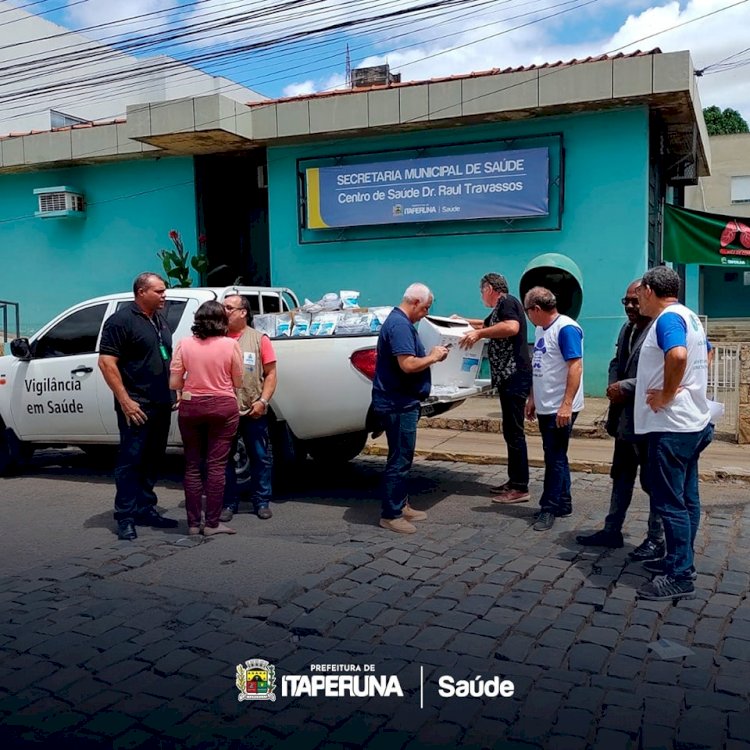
x=364, y=362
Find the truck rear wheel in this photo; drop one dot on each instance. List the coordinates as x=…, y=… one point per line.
x=288, y=452
x=337, y=449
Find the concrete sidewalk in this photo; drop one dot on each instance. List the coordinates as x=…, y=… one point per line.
x=470, y=434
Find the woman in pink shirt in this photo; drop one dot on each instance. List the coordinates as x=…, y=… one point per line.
x=205, y=371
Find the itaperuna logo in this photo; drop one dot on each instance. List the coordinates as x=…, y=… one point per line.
x=256, y=680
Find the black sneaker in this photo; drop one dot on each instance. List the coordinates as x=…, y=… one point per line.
x=648, y=551
x=658, y=567
x=151, y=518
x=664, y=588
x=603, y=538
x=544, y=521
x=564, y=512
x=126, y=530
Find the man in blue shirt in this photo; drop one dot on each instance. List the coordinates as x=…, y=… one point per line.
x=402, y=381
x=556, y=397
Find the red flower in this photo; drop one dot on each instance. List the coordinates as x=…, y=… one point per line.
x=202, y=239
x=173, y=234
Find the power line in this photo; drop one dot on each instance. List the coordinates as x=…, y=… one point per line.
x=479, y=96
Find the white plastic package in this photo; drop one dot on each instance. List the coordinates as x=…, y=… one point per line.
x=349, y=298
x=265, y=324
x=301, y=324
x=284, y=324
x=324, y=324
x=379, y=314
x=330, y=301
x=353, y=322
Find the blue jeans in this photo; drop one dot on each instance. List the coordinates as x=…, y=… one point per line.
x=630, y=456
x=254, y=434
x=401, y=431
x=556, y=497
x=139, y=459
x=673, y=474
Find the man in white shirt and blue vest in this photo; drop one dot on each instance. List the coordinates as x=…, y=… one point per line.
x=556, y=397
x=671, y=410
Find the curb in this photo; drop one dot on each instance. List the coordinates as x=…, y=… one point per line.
x=494, y=425
x=726, y=474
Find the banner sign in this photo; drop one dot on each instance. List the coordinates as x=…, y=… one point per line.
x=708, y=239
x=487, y=185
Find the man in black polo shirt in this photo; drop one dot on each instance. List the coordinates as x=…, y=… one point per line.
x=134, y=356
x=510, y=371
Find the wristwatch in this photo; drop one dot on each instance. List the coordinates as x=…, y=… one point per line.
x=264, y=402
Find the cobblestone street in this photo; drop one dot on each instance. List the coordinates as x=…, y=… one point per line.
x=95, y=658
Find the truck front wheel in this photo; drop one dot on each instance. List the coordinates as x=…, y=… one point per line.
x=13, y=453
x=337, y=449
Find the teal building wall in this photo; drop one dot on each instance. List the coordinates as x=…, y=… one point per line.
x=49, y=264
x=725, y=293
x=603, y=230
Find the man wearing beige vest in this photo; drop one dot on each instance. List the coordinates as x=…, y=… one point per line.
x=258, y=385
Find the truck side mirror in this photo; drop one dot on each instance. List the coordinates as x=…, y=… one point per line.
x=20, y=349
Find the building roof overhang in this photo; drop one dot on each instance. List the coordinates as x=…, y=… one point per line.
x=662, y=82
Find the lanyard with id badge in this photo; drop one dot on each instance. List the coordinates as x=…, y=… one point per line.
x=162, y=348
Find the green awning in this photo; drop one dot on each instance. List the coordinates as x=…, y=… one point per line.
x=708, y=239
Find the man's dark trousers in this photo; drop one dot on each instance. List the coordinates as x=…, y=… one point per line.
x=513, y=404
x=629, y=456
x=556, y=497
x=139, y=460
x=673, y=473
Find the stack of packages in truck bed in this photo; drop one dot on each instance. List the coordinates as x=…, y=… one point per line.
x=333, y=315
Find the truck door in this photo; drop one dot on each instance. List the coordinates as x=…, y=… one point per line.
x=55, y=393
x=179, y=324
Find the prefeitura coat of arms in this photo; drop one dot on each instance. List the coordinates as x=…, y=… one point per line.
x=256, y=681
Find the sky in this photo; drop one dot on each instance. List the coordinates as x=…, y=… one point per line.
x=453, y=38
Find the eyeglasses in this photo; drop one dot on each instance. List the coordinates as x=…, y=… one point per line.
x=531, y=307
x=231, y=309
x=629, y=300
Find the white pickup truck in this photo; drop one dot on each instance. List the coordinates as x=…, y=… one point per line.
x=52, y=393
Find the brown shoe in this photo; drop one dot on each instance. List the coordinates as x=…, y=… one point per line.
x=399, y=525
x=498, y=489
x=413, y=515
x=509, y=497
x=220, y=529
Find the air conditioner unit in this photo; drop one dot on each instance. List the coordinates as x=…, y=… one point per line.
x=60, y=202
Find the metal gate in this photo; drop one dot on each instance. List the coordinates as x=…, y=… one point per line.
x=724, y=385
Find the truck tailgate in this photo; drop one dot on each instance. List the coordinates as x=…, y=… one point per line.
x=442, y=398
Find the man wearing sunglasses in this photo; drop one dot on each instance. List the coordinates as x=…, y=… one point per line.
x=630, y=451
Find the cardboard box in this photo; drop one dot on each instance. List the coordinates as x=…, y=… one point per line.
x=461, y=368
